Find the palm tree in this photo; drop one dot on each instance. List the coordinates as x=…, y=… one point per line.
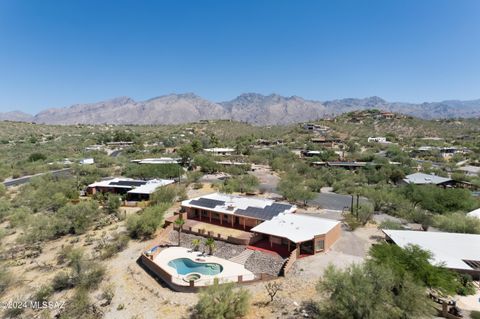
x=179, y=223
x=196, y=244
x=210, y=243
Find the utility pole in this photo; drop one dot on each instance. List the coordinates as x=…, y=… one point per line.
x=351, y=206
x=358, y=197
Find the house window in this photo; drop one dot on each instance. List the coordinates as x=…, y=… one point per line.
x=319, y=245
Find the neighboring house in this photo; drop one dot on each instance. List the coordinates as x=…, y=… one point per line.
x=346, y=165
x=158, y=160
x=470, y=170
x=311, y=153
x=276, y=224
x=458, y=252
x=134, y=189
x=475, y=213
x=377, y=139
x=220, y=150
x=327, y=142
x=87, y=161
x=424, y=179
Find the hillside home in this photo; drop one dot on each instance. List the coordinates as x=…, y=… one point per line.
x=277, y=225
x=133, y=189
x=219, y=150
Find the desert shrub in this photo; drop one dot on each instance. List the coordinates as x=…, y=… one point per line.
x=148, y=171
x=112, y=204
x=47, y=193
x=145, y=224
x=370, y=291
x=36, y=157
x=242, y=183
x=5, y=279
x=439, y=200
x=457, y=223
x=62, y=281
x=169, y=194
x=414, y=262
x=43, y=293
x=222, y=302
x=118, y=243
x=475, y=314
x=83, y=273
x=75, y=218
x=80, y=307
x=390, y=224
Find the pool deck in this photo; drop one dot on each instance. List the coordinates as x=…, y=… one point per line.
x=231, y=271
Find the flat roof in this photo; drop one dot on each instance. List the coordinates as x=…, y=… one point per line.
x=258, y=208
x=296, y=227
x=450, y=249
x=219, y=150
x=422, y=178
x=136, y=186
x=158, y=160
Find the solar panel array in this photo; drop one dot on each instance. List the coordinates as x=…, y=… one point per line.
x=129, y=183
x=266, y=213
x=206, y=202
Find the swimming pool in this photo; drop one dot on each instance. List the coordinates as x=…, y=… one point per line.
x=185, y=266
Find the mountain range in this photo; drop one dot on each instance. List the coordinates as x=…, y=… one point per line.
x=252, y=108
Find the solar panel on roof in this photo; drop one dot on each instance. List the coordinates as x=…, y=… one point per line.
x=266, y=213
x=206, y=202
x=129, y=183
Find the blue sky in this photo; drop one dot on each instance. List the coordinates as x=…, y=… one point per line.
x=58, y=53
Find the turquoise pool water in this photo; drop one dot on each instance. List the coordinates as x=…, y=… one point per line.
x=185, y=266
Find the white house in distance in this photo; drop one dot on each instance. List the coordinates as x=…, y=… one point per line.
x=87, y=161
x=377, y=139
x=219, y=150
x=133, y=189
x=158, y=160
x=459, y=252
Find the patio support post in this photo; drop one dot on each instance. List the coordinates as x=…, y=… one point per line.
x=210, y=216
x=221, y=219
x=244, y=223
x=298, y=250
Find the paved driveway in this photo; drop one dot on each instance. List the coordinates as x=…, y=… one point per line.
x=26, y=179
x=332, y=201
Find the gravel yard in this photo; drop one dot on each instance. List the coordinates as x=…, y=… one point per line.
x=260, y=262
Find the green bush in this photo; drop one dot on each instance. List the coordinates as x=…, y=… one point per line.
x=43, y=293
x=390, y=224
x=149, y=171
x=36, y=157
x=457, y=223
x=475, y=314
x=118, y=243
x=5, y=279
x=369, y=291
x=414, y=262
x=144, y=225
x=222, y=302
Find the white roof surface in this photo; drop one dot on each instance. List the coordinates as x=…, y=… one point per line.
x=474, y=213
x=147, y=188
x=237, y=202
x=157, y=160
x=219, y=150
x=151, y=186
x=448, y=248
x=422, y=178
x=296, y=227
